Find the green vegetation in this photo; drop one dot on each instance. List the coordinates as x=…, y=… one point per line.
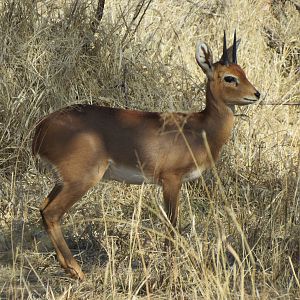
x=240, y=224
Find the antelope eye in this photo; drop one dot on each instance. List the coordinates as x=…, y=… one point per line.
x=230, y=79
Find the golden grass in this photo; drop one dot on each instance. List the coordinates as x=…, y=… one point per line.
x=239, y=224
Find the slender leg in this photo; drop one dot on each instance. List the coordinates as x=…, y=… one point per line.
x=55, y=191
x=58, y=202
x=52, y=215
x=171, y=186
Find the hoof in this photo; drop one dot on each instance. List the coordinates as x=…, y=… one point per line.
x=76, y=274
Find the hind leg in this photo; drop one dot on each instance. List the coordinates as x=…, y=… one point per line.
x=76, y=182
x=55, y=191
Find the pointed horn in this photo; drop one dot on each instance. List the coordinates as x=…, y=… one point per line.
x=234, y=48
x=225, y=54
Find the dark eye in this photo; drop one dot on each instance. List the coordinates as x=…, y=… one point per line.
x=230, y=79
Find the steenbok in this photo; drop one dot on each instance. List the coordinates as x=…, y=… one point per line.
x=85, y=143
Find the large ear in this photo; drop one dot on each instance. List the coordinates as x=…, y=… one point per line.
x=204, y=58
x=230, y=51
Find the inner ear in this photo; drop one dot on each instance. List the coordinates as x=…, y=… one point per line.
x=204, y=58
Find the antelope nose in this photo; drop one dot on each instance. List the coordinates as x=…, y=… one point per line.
x=257, y=94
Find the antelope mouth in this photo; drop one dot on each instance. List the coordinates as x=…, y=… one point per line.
x=248, y=101
x=243, y=101
x=251, y=100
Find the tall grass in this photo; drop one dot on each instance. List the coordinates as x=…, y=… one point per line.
x=239, y=224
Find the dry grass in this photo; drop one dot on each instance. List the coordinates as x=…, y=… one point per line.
x=240, y=224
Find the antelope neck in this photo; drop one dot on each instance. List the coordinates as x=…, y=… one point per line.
x=218, y=122
x=216, y=107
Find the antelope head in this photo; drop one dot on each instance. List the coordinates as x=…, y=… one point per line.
x=227, y=82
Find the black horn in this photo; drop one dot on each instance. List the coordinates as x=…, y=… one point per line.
x=225, y=54
x=234, y=57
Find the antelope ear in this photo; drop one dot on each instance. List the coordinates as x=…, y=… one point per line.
x=230, y=50
x=204, y=59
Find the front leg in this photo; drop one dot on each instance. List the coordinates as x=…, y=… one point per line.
x=171, y=185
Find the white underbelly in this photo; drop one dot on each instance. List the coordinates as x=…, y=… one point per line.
x=136, y=176
x=126, y=174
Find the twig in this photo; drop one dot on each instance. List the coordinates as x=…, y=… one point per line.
x=71, y=15
x=272, y=104
x=297, y=5
x=291, y=104
x=137, y=12
x=142, y=16
x=98, y=16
